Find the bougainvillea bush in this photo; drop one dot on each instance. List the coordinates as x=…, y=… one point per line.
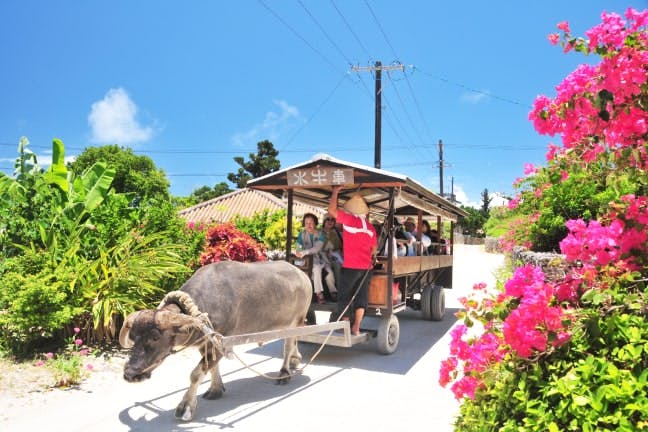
x=572, y=354
x=226, y=243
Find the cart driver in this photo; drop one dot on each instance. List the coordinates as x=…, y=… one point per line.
x=359, y=244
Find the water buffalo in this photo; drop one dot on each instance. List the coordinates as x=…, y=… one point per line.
x=237, y=298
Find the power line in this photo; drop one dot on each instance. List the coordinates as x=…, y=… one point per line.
x=317, y=23
x=414, y=98
x=465, y=87
x=305, y=150
x=381, y=29
x=407, y=114
x=351, y=30
x=312, y=116
x=303, y=39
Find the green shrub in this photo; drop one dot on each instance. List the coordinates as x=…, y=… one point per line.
x=36, y=306
x=275, y=234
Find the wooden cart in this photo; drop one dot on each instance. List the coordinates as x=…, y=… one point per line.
x=416, y=282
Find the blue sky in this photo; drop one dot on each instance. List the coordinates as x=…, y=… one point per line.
x=193, y=84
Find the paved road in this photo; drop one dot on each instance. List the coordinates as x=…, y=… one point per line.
x=344, y=389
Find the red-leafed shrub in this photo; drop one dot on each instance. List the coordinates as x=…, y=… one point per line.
x=226, y=243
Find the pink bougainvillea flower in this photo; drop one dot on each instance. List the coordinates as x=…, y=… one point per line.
x=77, y=330
x=49, y=355
x=554, y=38
x=564, y=26
x=479, y=286
x=530, y=169
x=78, y=342
x=40, y=363
x=89, y=366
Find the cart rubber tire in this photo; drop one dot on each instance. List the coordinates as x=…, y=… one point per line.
x=388, y=335
x=311, y=317
x=433, y=302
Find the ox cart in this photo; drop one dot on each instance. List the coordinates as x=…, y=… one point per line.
x=417, y=282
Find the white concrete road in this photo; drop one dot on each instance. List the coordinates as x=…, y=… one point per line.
x=344, y=389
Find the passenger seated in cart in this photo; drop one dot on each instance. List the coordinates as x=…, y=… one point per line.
x=438, y=244
x=333, y=245
x=310, y=241
x=412, y=237
x=426, y=238
x=359, y=245
x=399, y=247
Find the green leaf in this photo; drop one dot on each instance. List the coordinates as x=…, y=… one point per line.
x=580, y=400
x=604, y=114
x=57, y=173
x=96, y=182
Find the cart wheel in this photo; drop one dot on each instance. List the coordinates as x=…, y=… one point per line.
x=310, y=317
x=388, y=335
x=433, y=302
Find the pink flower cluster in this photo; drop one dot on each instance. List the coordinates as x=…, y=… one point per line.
x=596, y=108
x=615, y=247
x=535, y=323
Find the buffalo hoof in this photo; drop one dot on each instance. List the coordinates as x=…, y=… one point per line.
x=284, y=376
x=213, y=394
x=131, y=376
x=295, y=361
x=185, y=411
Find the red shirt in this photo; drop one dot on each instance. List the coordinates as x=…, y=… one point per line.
x=358, y=239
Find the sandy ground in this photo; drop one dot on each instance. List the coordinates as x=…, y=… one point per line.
x=344, y=388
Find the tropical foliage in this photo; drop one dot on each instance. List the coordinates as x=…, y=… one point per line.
x=572, y=354
x=77, y=254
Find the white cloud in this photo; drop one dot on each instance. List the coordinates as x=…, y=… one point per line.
x=45, y=160
x=464, y=199
x=113, y=120
x=474, y=97
x=271, y=126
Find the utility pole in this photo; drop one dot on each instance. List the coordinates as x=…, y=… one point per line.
x=441, y=167
x=377, y=68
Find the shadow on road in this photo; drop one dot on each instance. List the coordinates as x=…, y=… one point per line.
x=249, y=396
x=417, y=336
x=253, y=393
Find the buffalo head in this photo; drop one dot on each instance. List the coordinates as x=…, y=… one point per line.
x=152, y=335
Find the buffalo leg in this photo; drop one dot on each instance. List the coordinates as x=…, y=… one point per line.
x=187, y=407
x=292, y=358
x=216, y=387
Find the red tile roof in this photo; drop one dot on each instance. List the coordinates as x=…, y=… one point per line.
x=243, y=202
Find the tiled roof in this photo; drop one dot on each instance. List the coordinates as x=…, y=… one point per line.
x=243, y=202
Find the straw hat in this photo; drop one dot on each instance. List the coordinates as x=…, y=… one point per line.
x=356, y=205
x=410, y=220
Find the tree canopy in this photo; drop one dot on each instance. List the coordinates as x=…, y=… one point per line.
x=263, y=162
x=136, y=174
x=205, y=193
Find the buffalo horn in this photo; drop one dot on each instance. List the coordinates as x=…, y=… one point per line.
x=124, y=340
x=183, y=300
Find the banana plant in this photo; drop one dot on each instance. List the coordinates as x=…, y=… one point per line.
x=80, y=195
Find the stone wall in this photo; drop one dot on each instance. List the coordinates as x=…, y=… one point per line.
x=492, y=245
x=553, y=265
x=467, y=239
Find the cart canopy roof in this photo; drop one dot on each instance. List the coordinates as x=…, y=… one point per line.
x=311, y=182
